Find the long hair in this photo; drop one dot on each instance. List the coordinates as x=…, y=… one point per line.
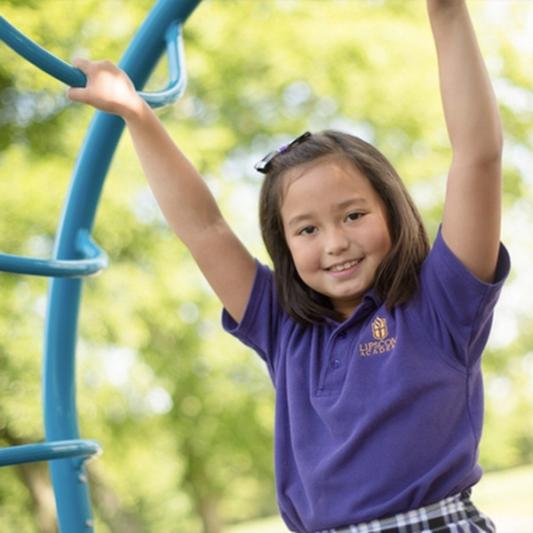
x=396, y=278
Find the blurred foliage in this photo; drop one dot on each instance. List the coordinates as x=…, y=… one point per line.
x=184, y=413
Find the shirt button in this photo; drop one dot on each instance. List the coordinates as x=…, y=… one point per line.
x=335, y=363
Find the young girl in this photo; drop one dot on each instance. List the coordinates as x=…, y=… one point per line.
x=372, y=341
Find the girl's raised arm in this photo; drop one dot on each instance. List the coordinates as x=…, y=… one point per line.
x=182, y=194
x=472, y=211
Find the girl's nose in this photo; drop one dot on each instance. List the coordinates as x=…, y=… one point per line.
x=337, y=242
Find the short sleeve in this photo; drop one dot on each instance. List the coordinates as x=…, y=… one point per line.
x=259, y=326
x=456, y=308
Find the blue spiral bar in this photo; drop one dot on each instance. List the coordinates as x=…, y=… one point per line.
x=48, y=451
x=176, y=68
x=74, y=77
x=40, y=57
x=141, y=57
x=93, y=260
x=159, y=31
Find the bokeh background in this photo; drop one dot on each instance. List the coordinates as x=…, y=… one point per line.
x=185, y=413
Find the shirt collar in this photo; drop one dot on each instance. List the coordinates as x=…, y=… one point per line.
x=370, y=302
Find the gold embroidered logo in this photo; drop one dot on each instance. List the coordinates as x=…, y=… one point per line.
x=382, y=343
x=379, y=329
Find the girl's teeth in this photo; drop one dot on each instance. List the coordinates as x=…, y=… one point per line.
x=344, y=266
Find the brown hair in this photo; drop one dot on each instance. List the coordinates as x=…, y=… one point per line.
x=396, y=278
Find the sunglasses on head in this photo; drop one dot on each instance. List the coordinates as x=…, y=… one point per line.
x=264, y=165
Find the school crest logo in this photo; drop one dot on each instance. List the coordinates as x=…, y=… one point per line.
x=379, y=329
x=382, y=342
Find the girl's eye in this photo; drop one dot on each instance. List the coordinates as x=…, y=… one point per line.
x=308, y=230
x=354, y=216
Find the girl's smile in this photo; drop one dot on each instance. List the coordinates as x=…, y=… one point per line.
x=344, y=269
x=336, y=229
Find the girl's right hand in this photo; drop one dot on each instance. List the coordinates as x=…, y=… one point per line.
x=108, y=89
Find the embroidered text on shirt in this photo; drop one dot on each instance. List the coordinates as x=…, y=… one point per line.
x=382, y=343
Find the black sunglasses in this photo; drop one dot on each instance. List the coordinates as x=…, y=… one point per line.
x=263, y=166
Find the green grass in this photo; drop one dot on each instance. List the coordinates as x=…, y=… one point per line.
x=505, y=496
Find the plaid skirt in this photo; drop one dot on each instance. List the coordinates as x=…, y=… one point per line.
x=455, y=514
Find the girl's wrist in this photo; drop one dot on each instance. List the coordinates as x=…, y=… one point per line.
x=444, y=6
x=135, y=111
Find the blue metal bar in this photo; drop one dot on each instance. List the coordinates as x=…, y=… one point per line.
x=177, y=71
x=93, y=260
x=74, y=77
x=40, y=57
x=159, y=31
x=48, y=451
x=91, y=168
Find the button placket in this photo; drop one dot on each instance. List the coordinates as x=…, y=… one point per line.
x=335, y=363
x=338, y=356
x=340, y=350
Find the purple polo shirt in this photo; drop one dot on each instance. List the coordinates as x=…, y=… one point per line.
x=381, y=413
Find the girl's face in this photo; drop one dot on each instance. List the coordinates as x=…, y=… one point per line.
x=336, y=229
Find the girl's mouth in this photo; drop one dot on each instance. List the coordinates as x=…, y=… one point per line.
x=343, y=267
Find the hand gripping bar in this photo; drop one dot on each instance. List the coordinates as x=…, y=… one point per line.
x=74, y=77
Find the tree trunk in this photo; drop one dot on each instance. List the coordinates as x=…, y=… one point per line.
x=36, y=479
x=113, y=513
x=201, y=489
x=209, y=513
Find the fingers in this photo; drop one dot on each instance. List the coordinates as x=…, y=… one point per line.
x=108, y=88
x=87, y=66
x=79, y=94
x=81, y=63
x=76, y=95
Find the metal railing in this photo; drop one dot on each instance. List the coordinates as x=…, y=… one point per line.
x=75, y=255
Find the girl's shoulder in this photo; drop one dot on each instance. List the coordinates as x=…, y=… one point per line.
x=452, y=305
x=443, y=266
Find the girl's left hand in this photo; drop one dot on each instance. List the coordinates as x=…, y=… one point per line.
x=108, y=89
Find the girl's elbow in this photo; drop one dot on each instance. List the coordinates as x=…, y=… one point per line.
x=495, y=149
x=494, y=146
x=487, y=153
x=490, y=159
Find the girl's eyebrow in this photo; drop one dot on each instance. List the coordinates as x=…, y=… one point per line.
x=359, y=201
x=299, y=218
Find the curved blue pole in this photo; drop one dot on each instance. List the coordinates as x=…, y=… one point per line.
x=59, y=400
x=49, y=451
x=93, y=259
x=76, y=255
x=40, y=57
x=176, y=68
x=74, y=77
